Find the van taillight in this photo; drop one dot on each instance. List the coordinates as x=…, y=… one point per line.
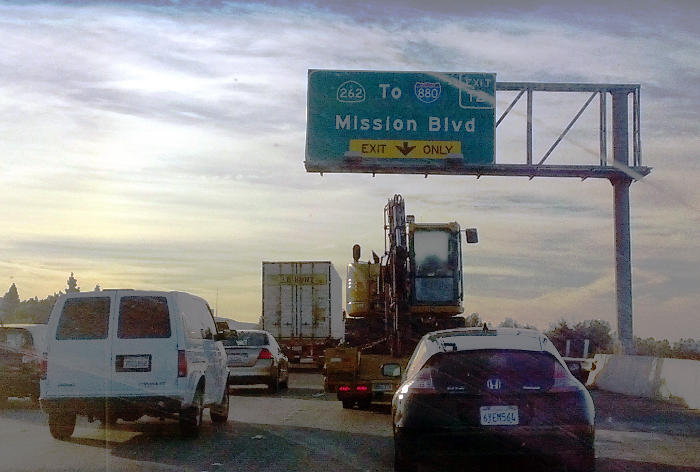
x=44, y=365
x=181, y=363
x=264, y=354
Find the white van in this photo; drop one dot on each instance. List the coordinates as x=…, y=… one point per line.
x=124, y=354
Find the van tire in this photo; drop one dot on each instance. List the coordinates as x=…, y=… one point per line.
x=219, y=413
x=61, y=423
x=191, y=417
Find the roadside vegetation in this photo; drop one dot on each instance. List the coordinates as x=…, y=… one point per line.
x=598, y=332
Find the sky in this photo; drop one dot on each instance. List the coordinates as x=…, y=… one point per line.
x=160, y=145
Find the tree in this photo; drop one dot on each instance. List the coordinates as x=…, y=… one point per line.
x=72, y=284
x=473, y=321
x=97, y=288
x=596, y=331
x=511, y=323
x=10, y=302
x=558, y=333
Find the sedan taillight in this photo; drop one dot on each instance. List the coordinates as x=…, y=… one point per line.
x=264, y=354
x=422, y=383
x=563, y=381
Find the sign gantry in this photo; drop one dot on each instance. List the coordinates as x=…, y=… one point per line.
x=444, y=123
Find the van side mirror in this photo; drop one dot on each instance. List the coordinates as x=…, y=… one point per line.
x=472, y=235
x=391, y=370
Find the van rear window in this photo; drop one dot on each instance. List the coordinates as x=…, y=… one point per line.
x=84, y=318
x=143, y=317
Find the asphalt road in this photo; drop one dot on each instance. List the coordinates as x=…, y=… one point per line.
x=302, y=429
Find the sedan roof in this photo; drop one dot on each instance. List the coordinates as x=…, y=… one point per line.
x=479, y=338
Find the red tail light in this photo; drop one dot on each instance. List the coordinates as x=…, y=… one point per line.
x=44, y=365
x=344, y=388
x=264, y=354
x=362, y=388
x=563, y=381
x=422, y=383
x=181, y=363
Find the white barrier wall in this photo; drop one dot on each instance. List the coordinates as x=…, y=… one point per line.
x=649, y=377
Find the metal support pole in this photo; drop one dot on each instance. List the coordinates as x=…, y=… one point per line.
x=528, y=131
x=621, y=186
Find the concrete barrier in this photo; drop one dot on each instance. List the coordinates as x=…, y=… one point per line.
x=649, y=377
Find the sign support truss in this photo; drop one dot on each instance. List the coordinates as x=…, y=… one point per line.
x=604, y=169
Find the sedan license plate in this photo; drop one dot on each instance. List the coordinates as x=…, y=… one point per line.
x=382, y=387
x=499, y=415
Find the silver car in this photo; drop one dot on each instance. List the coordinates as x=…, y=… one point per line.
x=254, y=357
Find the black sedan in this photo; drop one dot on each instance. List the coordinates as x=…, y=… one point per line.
x=492, y=399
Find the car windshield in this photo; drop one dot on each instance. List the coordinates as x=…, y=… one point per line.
x=471, y=370
x=247, y=339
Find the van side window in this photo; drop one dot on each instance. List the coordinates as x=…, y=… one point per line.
x=84, y=318
x=207, y=318
x=192, y=320
x=143, y=317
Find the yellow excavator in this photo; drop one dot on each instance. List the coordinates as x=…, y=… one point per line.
x=392, y=301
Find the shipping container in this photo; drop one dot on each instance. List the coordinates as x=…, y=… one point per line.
x=302, y=308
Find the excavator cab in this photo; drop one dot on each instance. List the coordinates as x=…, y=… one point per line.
x=435, y=268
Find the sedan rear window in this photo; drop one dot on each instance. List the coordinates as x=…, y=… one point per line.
x=84, y=318
x=143, y=317
x=247, y=339
x=484, y=370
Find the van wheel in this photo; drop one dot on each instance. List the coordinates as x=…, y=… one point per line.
x=191, y=417
x=219, y=413
x=61, y=423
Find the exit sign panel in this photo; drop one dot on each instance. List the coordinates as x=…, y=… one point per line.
x=362, y=121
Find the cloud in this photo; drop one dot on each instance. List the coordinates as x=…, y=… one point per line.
x=162, y=143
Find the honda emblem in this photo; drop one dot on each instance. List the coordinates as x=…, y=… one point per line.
x=493, y=384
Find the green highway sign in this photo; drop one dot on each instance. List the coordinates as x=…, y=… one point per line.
x=375, y=121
